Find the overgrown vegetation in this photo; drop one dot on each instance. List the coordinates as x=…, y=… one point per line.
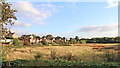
x=60, y=62
x=53, y=54
x=44, y=42
x=16, y=41
x=93, y=60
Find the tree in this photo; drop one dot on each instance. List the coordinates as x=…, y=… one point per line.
x=83, y=41
x=37, y=37
x=64, y=38
x=7, y=15
x=58, y=37
x=43, y=37
x=117, y=39
x=72, y=41
x=16, y=41
x=22, y=37
x=49, y=36
x=77, y=38
x=34, y=36
x=44, y=42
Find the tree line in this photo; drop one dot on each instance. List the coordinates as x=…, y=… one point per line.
x=80, y=40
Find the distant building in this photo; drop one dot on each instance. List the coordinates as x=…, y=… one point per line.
x=64, y=39
x=13, y=35
x=51, y=40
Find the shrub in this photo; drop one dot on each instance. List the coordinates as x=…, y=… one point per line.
x=83, y=41
x=8, y=37
x=32, y=43
x=16, y=41
x=53, y=44
x=68, y=56
x=53, y=54
x=39, y=55
x=44, y=42
x=111, y=57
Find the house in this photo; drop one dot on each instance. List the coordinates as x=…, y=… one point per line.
x=64, y=39
x=30, y=38
x=53, y=39
x=3, y=38
x=6, y=40
x=50, y=40
x=13, y=35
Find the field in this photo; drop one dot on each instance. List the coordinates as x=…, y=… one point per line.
x=85, y=54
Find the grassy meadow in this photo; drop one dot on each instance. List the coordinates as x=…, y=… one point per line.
x=94, y=55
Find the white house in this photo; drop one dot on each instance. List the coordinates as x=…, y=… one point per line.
x=6, y=40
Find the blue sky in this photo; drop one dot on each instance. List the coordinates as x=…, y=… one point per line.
x=84, y=19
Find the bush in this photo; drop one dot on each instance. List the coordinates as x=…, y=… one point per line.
x=83, y=41
x=16, y=41
x=39, y=55
x=54, y=44
x=44, y=42
x=68, y=56
x=32, y=43
x=53, y=54
x=8, y=37
x=111, y=57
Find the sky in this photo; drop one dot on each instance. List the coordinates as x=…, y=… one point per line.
x=66, y=19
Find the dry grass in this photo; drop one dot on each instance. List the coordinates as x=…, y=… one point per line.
x=81, y=52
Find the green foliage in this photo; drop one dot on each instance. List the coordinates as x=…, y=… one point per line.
x=9, y=37
x=37, y=37
x=34, y=36
x=60, y=62
x=58, y=42
x=44, y=42
x=72, y=41
x=83, y=41
x=58, y=37
x=54, y=44
x=111, y=57
x=22, y=37
x=16, y=41
x=77, y=38
x=49, y=36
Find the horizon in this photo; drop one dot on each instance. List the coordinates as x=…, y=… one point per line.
x=83, y=19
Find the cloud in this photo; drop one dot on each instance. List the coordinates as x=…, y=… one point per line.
x=28, y=11
x=49, y=6
x=53, y=7
x=99, y=28
x=41, y=23
x=22, y=24
x=23, y=6
x=20, y=32
x=112, y=3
